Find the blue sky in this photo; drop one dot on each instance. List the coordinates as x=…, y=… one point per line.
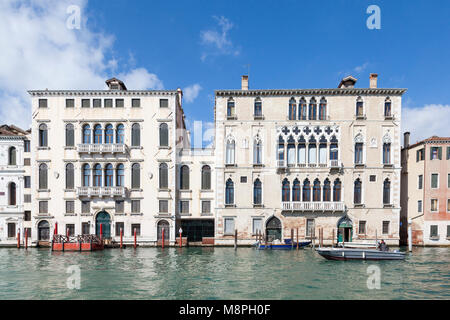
x=208, y=45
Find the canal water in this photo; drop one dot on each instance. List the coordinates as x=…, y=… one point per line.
x=218, y=273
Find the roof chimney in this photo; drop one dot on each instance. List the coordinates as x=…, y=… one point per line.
x=373, y=80
x=347, y=82
x=406, y=139
x=244, y=83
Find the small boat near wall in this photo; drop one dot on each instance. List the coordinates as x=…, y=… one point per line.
x=359, y=254
x=287, y=245
x=358, y=245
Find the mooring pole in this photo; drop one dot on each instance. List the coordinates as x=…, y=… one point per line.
x=162, y=238
x=56, y=228
x=297, y=238
x=181, y=238
x=235, y=239
x=18, y=240
x=121, y=238
x=292, y=238
x=410, y=235
x=101, y=232
x=26, y=239
x=135, y=238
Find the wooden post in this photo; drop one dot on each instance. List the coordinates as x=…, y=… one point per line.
x=26, y=239
x=67, y=233
x=135, y=238
x=235, y=239
x=181, y=240
x=101, y=232
x=121, y=238
x=321, y=237
x=292, y=238
x=297, y=238
x=56, y=228
x=314, y=237
x=163, y=237
x=332, y=239
x=18, y=240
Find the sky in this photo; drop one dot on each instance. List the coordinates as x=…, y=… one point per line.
x=202, y=46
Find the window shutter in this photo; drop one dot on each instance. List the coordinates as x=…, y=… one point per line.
x=417, y=156
x=431, y=153
x=440, y=153
x=136, y=135
x=135, y=176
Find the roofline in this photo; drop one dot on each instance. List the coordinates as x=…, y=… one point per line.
x=296, y=92
x=99, y=92
x=428, y=141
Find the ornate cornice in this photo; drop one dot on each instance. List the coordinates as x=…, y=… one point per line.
x=84, y=93
x=311, y=92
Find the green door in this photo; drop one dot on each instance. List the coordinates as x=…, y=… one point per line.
x=104, y=219
x=345, y=230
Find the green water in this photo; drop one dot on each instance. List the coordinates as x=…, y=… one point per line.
x=218, y=273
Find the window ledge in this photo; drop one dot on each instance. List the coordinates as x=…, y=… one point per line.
x=69, y=190
x=359, y=205
x=186, y=190
x=203, y=214
x=70, y=214
x=258, y=165
x=70, y=148
x=434, y=237
x=136, y=214
x=86, y=214
x=391, y=117
x=230, y=165
x=388, y=165
x=43, y=190
x=164, y=190
x=136, y=147
x=386, y=205
x=361, y=117
x=136, y=190
x=258, y=117
x=43, y=148
x=185, y=214
x=164, y=147
x=230, y=206
x=360, y=165
x=232, y=117
x=206, y=190
x=258, y=205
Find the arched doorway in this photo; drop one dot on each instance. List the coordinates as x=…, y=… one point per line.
x=273, y=229
x=163, y=224
x=43, y=231
x=103, y=218
x=345, y=229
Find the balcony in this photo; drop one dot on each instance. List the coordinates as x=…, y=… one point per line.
x=281, y=164
x=102, y=148
x=334, y=164
x=312, y=206
x=101, y=191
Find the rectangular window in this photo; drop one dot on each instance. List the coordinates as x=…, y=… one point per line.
x=97, y=103
x=362, y=227
x=135, y=103
x=42, y=103
x=11, y=230
x=448, y=153
x=108, y=103
x=244, y=179
x=385, y=227
x=135, y=206
x=372, y=178
x=435, y=153
x=70, y=206
x=163, y=206
x=434, y=231
x=43, y=206
x=184, y=206
x=27, y=198
x=136, y=227
x=228, y=226
x=206, y=206
x=419, y=206
x=85, y=228
x=120, y=206
x=163, y=103
x=434, y=205
x=420, y=182
x=70, y=103
x=309, y=227
x=26, y=146
x=420, y=155
x=27, y=216
x=119, y=103
x=85, y=103
x=257, y=225
x=70, y=230
x=119, y=226
x=85, y=207
x=27, y=162
x=448, y=231
x=434, y=180
x=358, y=153
x=27, y=182
x=448, y=180
x=448, y=205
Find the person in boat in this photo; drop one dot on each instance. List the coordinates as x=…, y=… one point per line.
x=382, y=246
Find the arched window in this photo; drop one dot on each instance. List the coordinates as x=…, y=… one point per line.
x=316, y=190
x=286, y=191
x=357, y=192
x=359, y=153
x=337, y=190
x=302, y=109
x=312, y=152
x=280, y=153
x=387, y=108
x=334, y=151
x=257, y=192
x=230, y=152
x=97, y=134
x=231, y=112
x=43, y=135
x=296, y=191
x=109, y=134
x=86, y=134
x=136, y=176
x=184, y=177
x=163, y=176
x=257, y=152
x=206, y=177
x=120, y=175
x=70, y=176
x=136, y=135
x=258, y=107
x=12, y=156
x=70, y=138
x=386, y=153
x=163, y=135
x=306, y=190
x=323, y=109
x=97, y=182
x=43, y=176
x=12, y=194
x=86, y=175
x=312, y=109
x=359, y=107
x=326, y=190
x=229, y=192
x=120, y=133
x=109, y=175
x=291, y=152
x=386, y=192
x=292, y=109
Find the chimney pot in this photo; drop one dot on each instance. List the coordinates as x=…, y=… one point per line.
x=373, y=80
x=406, y=139
x=244, y=83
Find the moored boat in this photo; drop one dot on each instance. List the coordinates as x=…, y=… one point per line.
x=358, y=245
x=288, y=245
x=359, y=254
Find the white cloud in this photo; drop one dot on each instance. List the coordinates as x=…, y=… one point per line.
x=361, y=68
x=39, y=52
x=430, y=120
x=191, y=92
x=218, y=42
